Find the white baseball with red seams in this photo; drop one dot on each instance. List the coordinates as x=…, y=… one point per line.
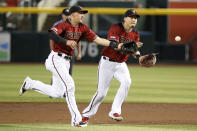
x=177, y=38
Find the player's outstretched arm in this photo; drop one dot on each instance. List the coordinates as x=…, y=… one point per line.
x=105, y=42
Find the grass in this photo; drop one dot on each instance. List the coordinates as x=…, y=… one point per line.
x=101, y=127
x=161, y=84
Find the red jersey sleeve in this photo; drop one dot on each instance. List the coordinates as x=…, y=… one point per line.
x=114, y=33
x=59, y=28
x=89, y=34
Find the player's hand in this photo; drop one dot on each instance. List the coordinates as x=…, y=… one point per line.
x=139, y=44
x=71, y=43
x=78, y=57
x=119, y=46
x=137, y=53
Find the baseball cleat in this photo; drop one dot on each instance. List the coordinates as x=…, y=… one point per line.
x=85, y=120
x=22, y=89
x=116, y=116
x=81, y=124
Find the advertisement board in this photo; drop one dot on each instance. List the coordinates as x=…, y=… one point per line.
x=5, y=46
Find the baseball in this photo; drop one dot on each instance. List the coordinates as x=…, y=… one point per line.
x=177, y=38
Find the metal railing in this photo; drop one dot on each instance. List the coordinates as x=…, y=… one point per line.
x=115, y=11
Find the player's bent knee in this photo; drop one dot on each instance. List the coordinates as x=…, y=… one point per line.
x=126, y=82
x=70, y=90
x=56, y=95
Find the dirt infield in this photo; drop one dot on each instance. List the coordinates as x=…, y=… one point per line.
x=142, y=114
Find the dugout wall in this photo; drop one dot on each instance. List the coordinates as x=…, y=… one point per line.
x=34, y=47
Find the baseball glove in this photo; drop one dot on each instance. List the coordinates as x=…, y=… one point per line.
x=129, y=47
x=148, y=60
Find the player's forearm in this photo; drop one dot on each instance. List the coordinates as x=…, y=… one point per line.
x=101, y=41
x=79, y=48
x=105, y=42
x=56, y=38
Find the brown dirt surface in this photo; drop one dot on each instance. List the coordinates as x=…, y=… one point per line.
x=133, y=113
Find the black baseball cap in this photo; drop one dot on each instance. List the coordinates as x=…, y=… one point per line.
x=131, y=12
x=65, y=11
x=77, y=9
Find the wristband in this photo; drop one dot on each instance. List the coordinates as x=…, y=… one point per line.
x=113, y=44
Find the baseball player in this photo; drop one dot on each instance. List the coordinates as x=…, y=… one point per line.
x=66, y=36
x=65, y=15
x=112, y=65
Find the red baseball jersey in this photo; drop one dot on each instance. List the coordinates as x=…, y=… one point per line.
x=119, y=34
x=71, y=32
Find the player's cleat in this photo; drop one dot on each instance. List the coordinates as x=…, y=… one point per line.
x=116, y=116
x=81, y=124
x=85, y=120
x=23, y=87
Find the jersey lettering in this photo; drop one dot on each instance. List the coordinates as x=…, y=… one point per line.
x=73, y=35
x=124, y=39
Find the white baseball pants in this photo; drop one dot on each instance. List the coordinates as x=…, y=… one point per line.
x=62, y=86
x=106, y=71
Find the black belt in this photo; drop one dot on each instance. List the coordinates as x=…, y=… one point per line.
x=65, y=57
x=105, y=58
